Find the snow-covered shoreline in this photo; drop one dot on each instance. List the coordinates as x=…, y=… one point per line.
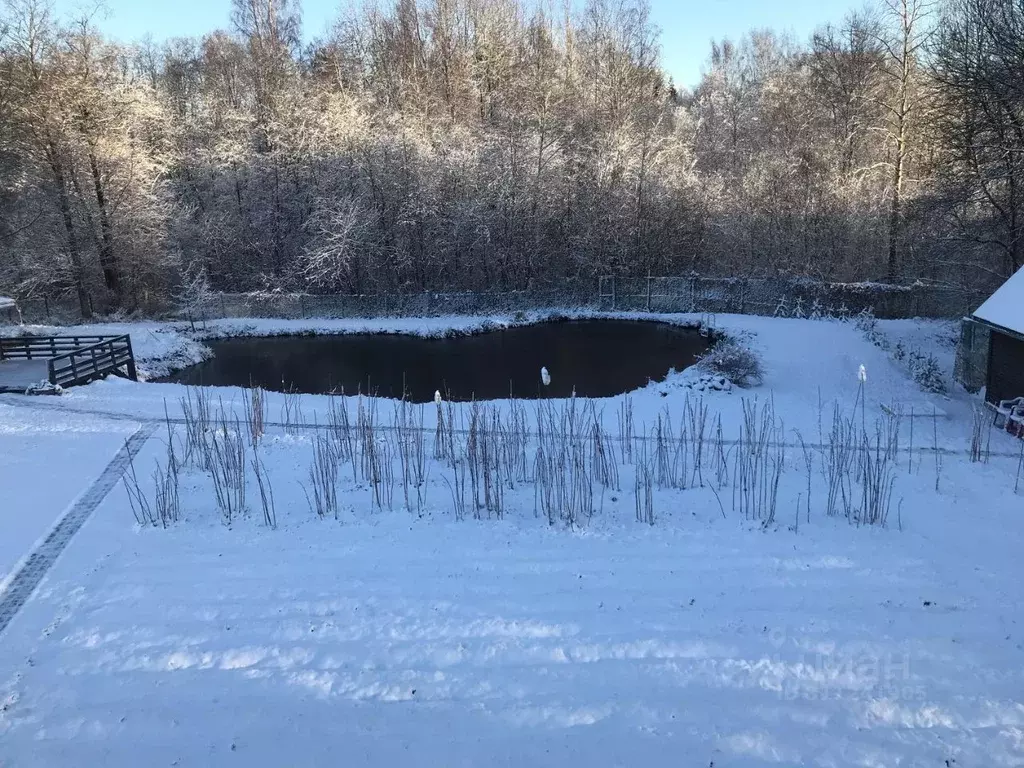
x=164, y=347
x=791, y=347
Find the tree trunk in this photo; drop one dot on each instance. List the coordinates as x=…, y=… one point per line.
x=642, y=257
x=74, y=252
x=908, y=11
x=895, y=218
x=108, y=261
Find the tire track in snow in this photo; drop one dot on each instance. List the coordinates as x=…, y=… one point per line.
x=39, y=562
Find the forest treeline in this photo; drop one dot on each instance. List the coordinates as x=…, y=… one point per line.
x=501, y=144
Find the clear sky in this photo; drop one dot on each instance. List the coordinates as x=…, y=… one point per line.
x=687, y=26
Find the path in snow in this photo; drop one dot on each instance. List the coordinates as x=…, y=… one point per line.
x=25, y=580
x=47, y=459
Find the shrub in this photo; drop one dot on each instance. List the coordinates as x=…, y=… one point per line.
x=927, y=372
x=924, y=368
x=867, y=324
x=734, y=359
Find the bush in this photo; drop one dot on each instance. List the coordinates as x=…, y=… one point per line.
x=924, y=368
x=734, y=359
x=927, y=372
x=867, y=324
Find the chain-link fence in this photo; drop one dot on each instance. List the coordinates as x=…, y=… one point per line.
x=65, y=311
x=45, y=311
x=426, y=304
x=788, y=298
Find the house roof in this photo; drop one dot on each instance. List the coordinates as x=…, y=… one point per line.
x=1005, y=307
x=6, y=303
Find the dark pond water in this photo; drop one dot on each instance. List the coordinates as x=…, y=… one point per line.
x=600, y=358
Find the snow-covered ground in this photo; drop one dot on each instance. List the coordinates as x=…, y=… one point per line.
x=392, y=636
x=46, y=460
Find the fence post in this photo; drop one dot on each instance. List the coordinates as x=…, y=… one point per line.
x=132, y=372
x=223, y=311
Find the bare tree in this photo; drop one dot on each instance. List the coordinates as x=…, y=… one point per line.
x=902, y=37
x=503, y=144
x=978, y=64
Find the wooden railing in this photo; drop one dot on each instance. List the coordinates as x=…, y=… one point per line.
x=74, y=359
x=34, y=347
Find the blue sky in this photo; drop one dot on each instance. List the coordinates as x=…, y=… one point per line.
x=687, y=26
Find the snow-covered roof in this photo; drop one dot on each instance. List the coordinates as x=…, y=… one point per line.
x=1005, y=307
x=6, y=303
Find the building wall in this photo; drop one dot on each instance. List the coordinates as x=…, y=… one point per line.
x=1006, y=368
x=971, y=370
